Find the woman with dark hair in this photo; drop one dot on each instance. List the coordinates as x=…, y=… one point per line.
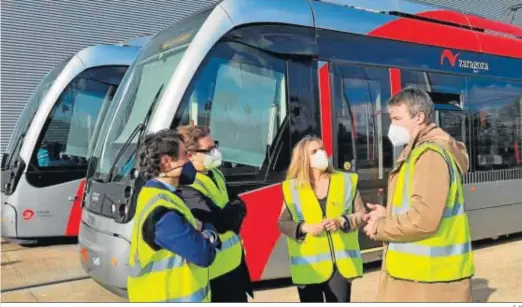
x=170, y=250
x=211, y=201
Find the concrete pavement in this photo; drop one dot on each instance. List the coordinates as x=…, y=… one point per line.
x=498, y=276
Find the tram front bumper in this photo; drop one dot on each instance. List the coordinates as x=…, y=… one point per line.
x=104, y=258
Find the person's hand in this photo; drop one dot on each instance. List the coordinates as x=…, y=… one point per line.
x=333, y=224
x=377, y=211
x=368, y=229
x=313, y=229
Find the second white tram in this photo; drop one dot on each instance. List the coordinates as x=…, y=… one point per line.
x=48, y=152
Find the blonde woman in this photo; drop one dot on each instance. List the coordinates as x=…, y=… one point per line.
x=321, y=214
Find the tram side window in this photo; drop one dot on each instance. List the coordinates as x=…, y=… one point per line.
x=445, y=91
x=432, y=82
x=361, y=115
x=240, y=94
x=495, y=122
x=66, y=135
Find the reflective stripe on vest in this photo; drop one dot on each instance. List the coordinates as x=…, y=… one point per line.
x=137, y=270
x=229, y=256
x=230, y=242
x=295, y=197
x=405, y=205
x=168, y=263
x=312, y=260
x=165, y=276
x=433, y=251
x=446, y=255
x=325, y=257
x=298, y=207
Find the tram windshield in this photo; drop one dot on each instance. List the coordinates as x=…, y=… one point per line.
x=30, y=109
x=148, y=78
x=69, y=127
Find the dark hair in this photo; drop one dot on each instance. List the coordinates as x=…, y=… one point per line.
x=416, y=100
x=192, y=134
x=153, y=147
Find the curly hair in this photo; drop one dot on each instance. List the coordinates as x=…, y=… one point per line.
x=192, y=134
x=153, y=147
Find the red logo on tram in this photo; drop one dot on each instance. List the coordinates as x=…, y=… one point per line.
x=447, y=54
x=28, y=214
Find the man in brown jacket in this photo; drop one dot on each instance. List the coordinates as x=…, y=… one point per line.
x=410, y=113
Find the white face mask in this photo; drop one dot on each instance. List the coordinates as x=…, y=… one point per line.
x=319, y=160
x=398, y=135
x=212, y=160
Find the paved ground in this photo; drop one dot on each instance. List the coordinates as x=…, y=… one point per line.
x=498, y=276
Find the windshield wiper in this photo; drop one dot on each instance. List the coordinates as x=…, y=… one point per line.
x=15, y=149
x=139, y=128
x=18, y=142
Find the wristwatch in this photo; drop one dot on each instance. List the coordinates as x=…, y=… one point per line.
x=346, y=226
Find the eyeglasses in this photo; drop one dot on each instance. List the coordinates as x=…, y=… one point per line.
x=209, y=150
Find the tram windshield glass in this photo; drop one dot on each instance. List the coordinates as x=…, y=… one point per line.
x=148, y=78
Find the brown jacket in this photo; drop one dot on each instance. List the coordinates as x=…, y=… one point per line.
x=430, y=189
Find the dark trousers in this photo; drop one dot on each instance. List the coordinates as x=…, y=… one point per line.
x=232, y=287
x=223, y=292
x=337, y=290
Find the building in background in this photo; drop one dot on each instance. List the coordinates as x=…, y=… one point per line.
x=37, y=35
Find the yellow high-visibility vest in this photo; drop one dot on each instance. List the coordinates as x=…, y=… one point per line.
x=312, y=261
x=446, y=255
x=229, y=256
x=162, y=276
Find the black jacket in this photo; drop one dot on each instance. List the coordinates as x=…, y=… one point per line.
x=204, y=209
x=230, y=218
